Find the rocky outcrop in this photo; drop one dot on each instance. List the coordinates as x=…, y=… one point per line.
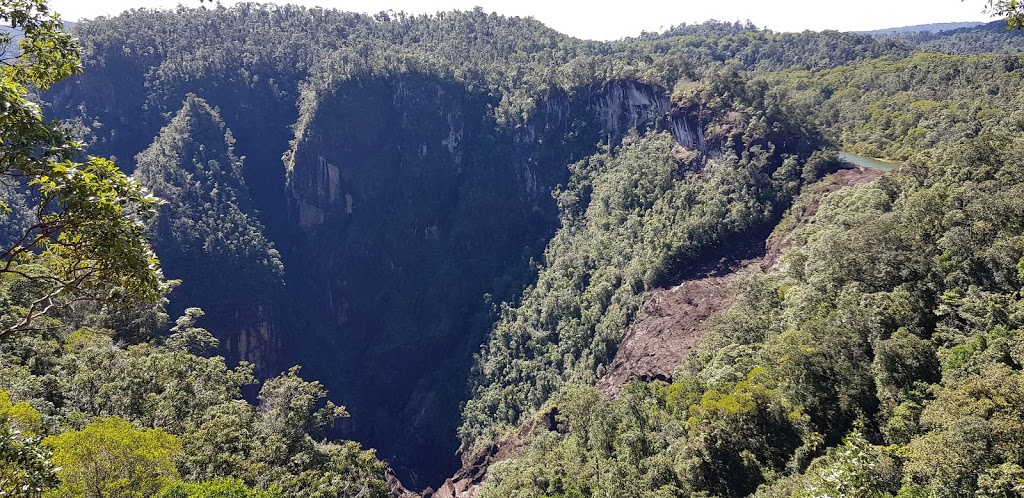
x=475, y=466
x=622, y=106
x=253, y=337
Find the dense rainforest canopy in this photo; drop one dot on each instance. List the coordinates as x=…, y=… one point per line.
x=454, y=221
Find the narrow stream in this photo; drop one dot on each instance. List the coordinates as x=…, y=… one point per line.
x=868, y=162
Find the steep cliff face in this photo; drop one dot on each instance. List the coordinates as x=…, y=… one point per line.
x=370, y=115
x=623, y=106
x=419, y=211
x=254, y=337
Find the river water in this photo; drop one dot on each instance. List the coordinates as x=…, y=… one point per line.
x=868, y=162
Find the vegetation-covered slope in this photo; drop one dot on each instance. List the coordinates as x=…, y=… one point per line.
x=207, y=232
x=890, y=339
x=900, y=109
x=888, y=343
x=634, y=218
x=392, y=229
x=404, y=167
x=986, y=38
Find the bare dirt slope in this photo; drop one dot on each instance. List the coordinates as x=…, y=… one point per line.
x=672, y=321
x=668, y=327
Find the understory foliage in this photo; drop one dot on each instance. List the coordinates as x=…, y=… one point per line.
x=72, y=225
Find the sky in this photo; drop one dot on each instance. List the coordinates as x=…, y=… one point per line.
x=608, y=20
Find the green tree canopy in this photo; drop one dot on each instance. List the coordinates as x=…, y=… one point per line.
x=110, y=458
x=1012, y=10
x=25, y=466
x=80, y=225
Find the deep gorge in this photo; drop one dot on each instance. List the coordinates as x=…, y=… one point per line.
x=537, y=265
x=399, y=237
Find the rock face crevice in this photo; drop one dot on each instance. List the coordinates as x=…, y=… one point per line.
x=256, y=339
x=419, y=211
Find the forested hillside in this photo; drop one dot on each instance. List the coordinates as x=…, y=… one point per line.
x=888, y=344
x=452, y=221
x=414, y=194
x=986, y=38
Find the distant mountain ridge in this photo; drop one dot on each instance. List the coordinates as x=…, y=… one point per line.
x=927, y=28
x=992, y=37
